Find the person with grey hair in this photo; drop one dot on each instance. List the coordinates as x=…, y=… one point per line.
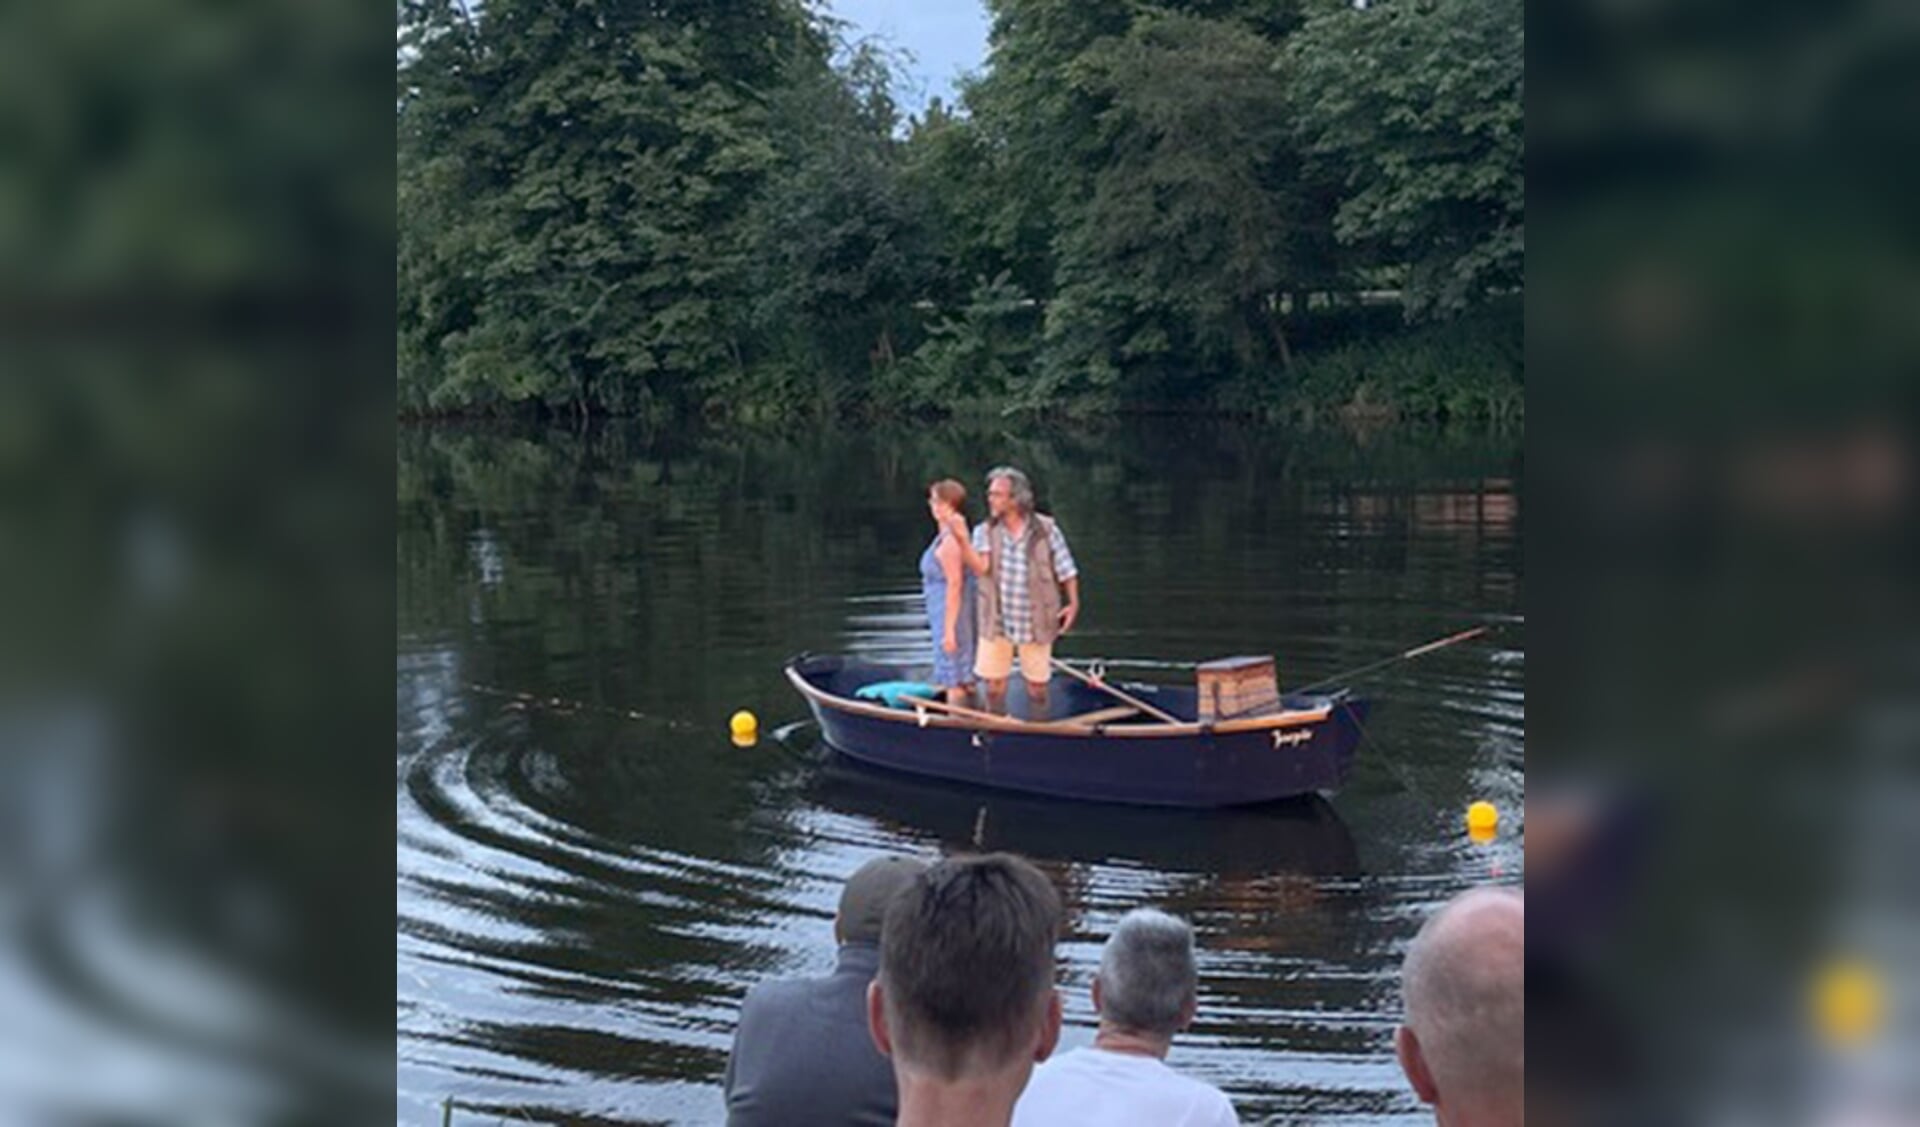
x=1463, y=1041
x=1145, y=992
x=1024, y=559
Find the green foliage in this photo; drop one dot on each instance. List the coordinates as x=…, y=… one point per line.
x=1416, y=106
x=951, y=170
x=573, y=177
x=1167, y=271
x=1040, y=126
x=973, y=358
x=683, y=208
x=1465, y=368
x=835, y=236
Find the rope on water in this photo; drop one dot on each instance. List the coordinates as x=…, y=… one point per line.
x=565, y=707
x=1388, y=757
x=812, y=755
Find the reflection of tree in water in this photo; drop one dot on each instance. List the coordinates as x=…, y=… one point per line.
x=1266, y=888
x=775, y=525
x=1219, y=865
x=1274, y=912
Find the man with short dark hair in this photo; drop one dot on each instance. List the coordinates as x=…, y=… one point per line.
x=1463, y=1043
x=801, y=1054
x=1146, y=990
x=965, y=1003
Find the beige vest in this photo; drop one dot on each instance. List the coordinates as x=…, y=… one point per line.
x=1043, y=585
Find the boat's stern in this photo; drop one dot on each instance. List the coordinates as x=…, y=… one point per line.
x=1346, y=728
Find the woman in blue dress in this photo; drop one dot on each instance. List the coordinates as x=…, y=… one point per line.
x=950, y=592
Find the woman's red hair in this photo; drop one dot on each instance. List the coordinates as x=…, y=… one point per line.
x=950, y=491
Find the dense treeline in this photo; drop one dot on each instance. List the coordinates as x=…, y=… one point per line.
x=686, y=207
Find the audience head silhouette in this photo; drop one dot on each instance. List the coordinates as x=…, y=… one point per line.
x=1147, y=981
x=1463, y=1043
x=966, y=982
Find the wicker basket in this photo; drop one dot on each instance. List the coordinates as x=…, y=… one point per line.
x=1238, y=686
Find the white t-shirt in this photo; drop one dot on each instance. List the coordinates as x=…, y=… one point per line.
x=1103, y=1089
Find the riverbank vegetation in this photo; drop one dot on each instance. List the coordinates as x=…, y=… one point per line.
x=679, y=209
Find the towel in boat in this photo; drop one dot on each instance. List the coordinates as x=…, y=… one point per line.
x=892, y=691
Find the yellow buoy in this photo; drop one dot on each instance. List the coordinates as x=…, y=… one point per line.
x=1482, y=817
x=1846, y=1002
x=744, y=725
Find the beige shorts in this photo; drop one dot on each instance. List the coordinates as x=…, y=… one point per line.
x=994, y=660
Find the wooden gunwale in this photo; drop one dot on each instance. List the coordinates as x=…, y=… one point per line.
x=1101, y=716
x=927, y=718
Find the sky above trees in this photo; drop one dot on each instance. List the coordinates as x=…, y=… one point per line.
x=946, y=38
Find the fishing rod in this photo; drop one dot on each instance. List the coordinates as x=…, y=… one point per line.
x=1416, y=651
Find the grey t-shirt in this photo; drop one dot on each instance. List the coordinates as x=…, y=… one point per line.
x=802, y=1054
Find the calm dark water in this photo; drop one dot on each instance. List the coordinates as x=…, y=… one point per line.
x=591, y=875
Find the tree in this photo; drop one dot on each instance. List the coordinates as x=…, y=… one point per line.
x=631, y=205
x=1168, y=270
x=574, y=180
x=947, y=169
x=1415, y=106
x=835, y=234
x=1038, y=126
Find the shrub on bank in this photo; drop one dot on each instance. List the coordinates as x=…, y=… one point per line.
x=1467, y=368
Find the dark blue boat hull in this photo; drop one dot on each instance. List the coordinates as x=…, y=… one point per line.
x=1202, y=769
x=1302, y=835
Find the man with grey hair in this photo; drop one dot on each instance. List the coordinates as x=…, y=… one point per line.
x=1145, y=991
x=1024, y=558
x=1463, y=1042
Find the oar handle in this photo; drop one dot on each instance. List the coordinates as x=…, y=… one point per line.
x=1396, y=659
x=1460, y=637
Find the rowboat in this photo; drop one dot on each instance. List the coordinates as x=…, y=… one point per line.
x=1088, y=743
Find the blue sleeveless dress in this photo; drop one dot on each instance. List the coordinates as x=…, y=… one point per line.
x=955, y=668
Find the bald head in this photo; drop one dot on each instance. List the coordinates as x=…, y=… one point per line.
x=1463, y=1045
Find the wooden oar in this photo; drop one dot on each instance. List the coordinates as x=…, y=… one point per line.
x=1157, y=714
x=956, y=709
x=1416, y=651
x=1009, y=723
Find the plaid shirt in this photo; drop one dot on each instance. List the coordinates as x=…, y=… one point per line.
x=1016, y=596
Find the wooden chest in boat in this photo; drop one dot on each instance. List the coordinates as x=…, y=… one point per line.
x=1233, y=687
